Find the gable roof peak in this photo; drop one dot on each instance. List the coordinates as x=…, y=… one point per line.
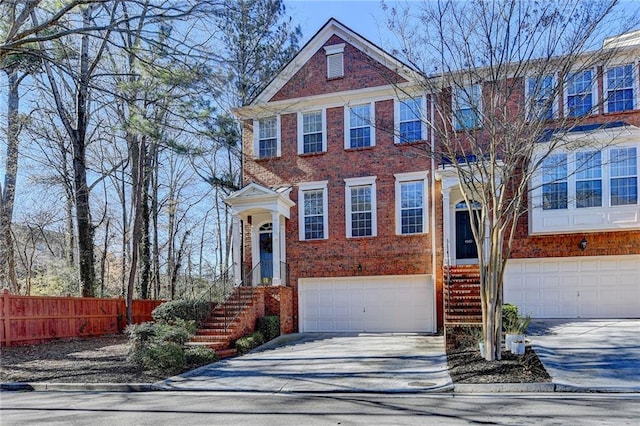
x=331, y=28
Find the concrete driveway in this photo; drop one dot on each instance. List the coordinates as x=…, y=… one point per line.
x=594, y=355
x=321, y=362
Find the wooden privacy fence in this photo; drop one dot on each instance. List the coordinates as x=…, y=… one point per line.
x=36, y=319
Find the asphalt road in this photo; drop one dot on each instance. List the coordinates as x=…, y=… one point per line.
x=212, y=408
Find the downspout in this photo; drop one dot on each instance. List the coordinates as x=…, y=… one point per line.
x=433, y=217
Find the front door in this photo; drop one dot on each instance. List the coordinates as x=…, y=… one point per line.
x=465, y=245
x=266, y=253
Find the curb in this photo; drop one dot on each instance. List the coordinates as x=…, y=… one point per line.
x=77, y=387
x=463, y=388
x=503, y=387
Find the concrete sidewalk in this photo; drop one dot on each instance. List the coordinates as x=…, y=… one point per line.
x=589, y=355
x=321, y=362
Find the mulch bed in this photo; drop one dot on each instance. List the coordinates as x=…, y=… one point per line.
x=467, y=366
x=89, y=360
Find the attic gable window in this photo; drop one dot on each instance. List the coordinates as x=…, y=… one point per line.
x=335, y=60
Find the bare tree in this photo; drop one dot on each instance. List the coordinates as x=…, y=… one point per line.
x=474, y=60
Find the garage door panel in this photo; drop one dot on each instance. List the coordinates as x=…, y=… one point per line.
x=581, y=287
x=383, y=303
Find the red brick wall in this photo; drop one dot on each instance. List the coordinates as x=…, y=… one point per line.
x=360, y=71
x=386, y=254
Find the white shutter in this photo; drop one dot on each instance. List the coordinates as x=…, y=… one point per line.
x=335, y=65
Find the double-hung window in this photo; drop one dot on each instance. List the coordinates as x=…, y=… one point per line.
x=409, y=119
x=360, y=200
x=311, y=132
x=313, y=219
x=359, y=129
x=411, y=202
x=467, y=107
x=540, y=98
x=580, y=93
x=554, y=182
x=624, y=176
x=267, y=142
x=588, y=179
x=620, y=88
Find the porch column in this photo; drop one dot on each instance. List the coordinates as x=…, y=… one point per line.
x=446, y=224
x=236, y=249
x=275, y=243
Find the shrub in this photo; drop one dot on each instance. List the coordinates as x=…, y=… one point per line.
x=509, y=316
x=269, y=326
x=165, y=357
x=160, y=346
x=512, y=322
x=246, y=343
x=184, y=309
x=199, y=356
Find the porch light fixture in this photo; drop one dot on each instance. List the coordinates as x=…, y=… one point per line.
x=359, y=267
x=583, y=244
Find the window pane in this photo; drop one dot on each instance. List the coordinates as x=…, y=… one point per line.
x=410, y=120
x=360, y=137
x=312, y=132
x=589, y=193
x=620, y=88
x=268, y=148
x=360, y=129
x=313, y=214
x=624, y=176
x=267, y=137
x=554, y=190
x=411, y=207
x=624, y=191
x=466, y=107
x=579, y=96
x=361, y=214
x=540, y=98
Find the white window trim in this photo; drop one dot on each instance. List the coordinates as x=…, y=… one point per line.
x=347, y=123
x=256, y=138
x=585, y=219
x=456, y=125
x=555, y=108
x=636, y=85
x=396, y=119
x=361, y=181
x=310, y=186
x=411, y=177
x=301, y=131
x=594, y=92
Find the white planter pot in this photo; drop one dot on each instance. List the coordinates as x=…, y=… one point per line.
x=510, y=338
x=517, y=347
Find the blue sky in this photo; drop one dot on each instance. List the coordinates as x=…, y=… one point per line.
x=365, y=17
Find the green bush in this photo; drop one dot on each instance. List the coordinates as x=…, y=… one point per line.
x=246, y=343
x=269, y=326
x=199, y=356
x=512, y=322
x=160, y=346
x=165, y=357
x=184, y=309
x=509, y=316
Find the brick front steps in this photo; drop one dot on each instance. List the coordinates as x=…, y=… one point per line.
x=462, y=295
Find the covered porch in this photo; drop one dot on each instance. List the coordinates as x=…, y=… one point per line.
x=265, y=210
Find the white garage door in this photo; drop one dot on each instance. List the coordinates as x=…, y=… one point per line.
x=578, y=287
x=367, y=304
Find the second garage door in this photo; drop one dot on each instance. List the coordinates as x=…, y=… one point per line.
x=367, y=304
x=577, y=287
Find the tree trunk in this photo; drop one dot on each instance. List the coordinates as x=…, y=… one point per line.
x=137, y=153
x=7, y=260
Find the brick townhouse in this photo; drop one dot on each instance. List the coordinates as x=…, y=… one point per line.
x=339, y=204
